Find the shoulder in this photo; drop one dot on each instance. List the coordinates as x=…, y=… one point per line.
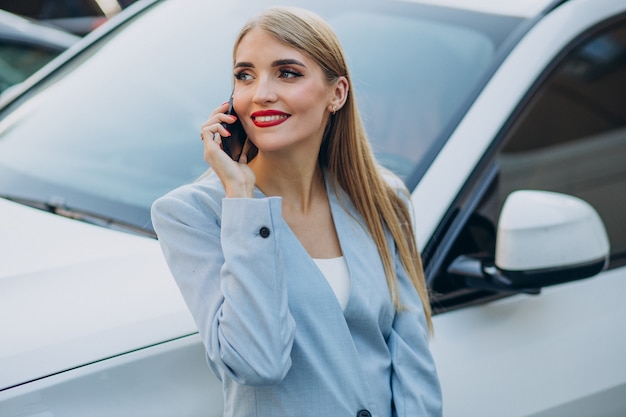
x=205, y=194
x=396, y=184
x=399, y=188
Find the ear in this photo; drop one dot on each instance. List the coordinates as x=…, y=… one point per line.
x=339, y=96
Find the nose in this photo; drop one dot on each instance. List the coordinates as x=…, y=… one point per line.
x=265, y=91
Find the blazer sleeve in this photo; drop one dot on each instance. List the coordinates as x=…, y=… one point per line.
x=228, y=271
x=414, y=382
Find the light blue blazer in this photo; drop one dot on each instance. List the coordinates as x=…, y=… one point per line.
x=273, y=329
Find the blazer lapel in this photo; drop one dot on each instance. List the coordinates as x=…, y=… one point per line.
x=367, y=282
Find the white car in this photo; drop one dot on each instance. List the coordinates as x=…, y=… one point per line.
x=506, y=119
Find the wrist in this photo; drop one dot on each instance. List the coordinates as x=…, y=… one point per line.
x=242, y=191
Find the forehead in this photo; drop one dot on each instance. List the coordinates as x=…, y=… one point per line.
x=258, y=44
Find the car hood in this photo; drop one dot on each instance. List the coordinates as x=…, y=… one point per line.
x=73, y=293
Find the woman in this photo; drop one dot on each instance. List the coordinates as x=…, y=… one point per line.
x=298, y=261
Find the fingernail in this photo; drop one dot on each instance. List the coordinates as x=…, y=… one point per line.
x=232, y=116
x=226, y=102
x=228, y=133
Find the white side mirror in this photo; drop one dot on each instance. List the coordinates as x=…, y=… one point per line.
x=546, y=238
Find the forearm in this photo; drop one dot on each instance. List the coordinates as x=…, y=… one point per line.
x=229, y=277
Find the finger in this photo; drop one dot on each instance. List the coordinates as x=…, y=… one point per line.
x=219, y=118
x=212, y=151
x=243, y=157
x=223, y=108
x=209, y=131
x=219, y=113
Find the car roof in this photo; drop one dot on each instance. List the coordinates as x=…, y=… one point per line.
x=520, y=8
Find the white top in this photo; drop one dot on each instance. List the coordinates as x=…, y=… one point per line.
x=336, y=272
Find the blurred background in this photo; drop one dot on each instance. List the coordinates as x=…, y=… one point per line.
x=77, y=16
x=33, y=32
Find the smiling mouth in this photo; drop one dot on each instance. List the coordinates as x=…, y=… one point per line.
x=266, y=119
x=269, y=120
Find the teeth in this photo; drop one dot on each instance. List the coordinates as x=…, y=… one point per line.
x=265, y=119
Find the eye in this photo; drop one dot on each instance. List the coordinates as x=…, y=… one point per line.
x=289, y=73
x=242, y=76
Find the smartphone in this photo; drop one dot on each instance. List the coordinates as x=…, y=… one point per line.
x=233, y=144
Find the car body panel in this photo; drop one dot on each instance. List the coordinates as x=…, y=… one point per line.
x=550, y=343
x=67, y=286
x=167, y=379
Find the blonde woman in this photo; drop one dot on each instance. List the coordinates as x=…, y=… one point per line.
x=298, y=261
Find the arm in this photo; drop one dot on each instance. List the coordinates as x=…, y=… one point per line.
x=230, y=278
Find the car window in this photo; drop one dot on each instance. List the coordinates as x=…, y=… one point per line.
x=570, y=137
x=118, y=126
x=409, y=99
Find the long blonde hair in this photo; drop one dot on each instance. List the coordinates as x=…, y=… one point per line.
x=345, y=152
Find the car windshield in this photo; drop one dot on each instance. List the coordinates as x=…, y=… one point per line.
x=118, y=125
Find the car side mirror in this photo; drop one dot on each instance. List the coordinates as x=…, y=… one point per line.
x=543, y=238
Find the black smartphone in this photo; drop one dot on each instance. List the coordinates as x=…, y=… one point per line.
x=233, y=144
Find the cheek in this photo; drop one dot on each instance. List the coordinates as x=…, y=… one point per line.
x=240, y=100
x=311, y=100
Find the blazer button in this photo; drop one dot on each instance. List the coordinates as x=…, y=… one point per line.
x=264, y=232
x=363, y=413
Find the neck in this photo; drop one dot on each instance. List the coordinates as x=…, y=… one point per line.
x=297, y=182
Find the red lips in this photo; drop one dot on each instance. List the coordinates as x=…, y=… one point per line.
x=268, y=118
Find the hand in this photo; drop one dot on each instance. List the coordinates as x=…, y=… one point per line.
x=237, y=177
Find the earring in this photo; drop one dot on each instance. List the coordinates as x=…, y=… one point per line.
x=334, y=110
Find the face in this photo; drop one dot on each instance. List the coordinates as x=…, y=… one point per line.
x=280, y=95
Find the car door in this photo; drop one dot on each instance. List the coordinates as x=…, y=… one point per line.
x=558, y=353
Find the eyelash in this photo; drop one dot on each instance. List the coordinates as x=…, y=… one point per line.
x=289, y=73
x=284, y=73
x=242, y=76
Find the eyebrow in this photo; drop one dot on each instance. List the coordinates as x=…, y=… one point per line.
x=277, y=63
